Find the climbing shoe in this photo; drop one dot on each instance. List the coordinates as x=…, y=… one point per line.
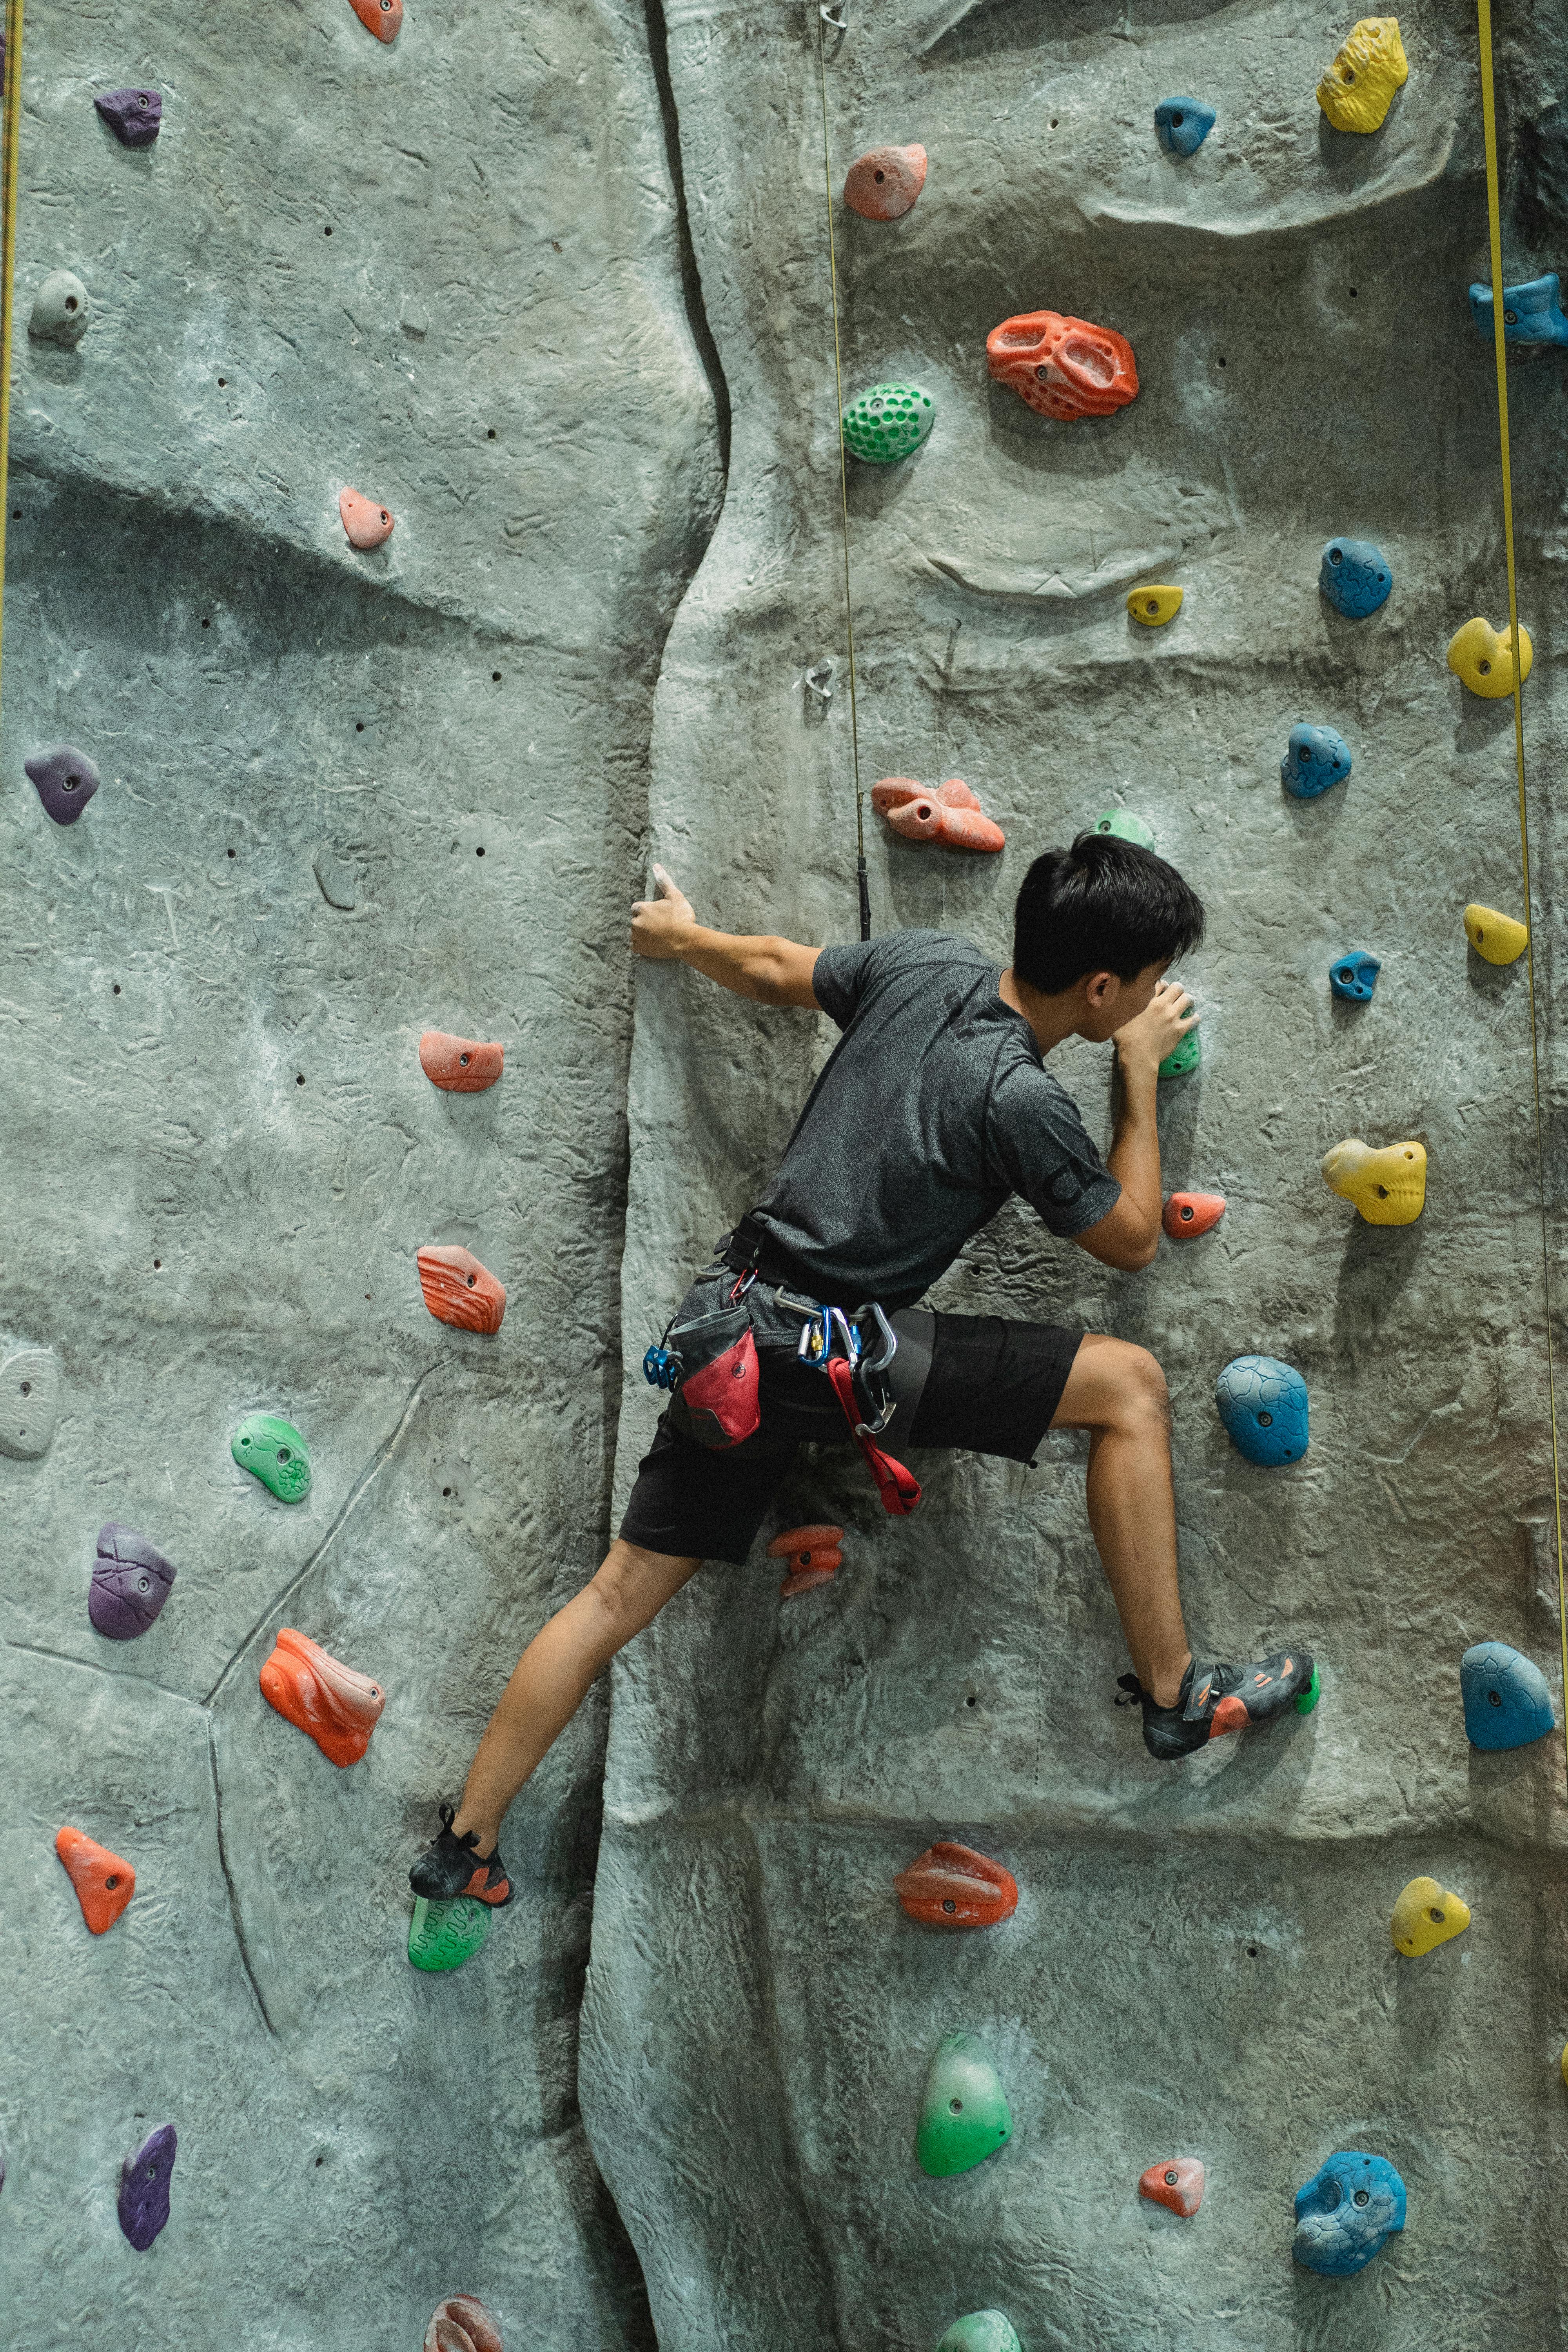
x=451, y=1866
x=1216, y=1698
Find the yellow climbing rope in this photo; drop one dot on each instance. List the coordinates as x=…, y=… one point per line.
x=11, y=133
x=1494, y=225
x=822, y=23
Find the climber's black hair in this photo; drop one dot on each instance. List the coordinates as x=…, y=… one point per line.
x=1104, y=905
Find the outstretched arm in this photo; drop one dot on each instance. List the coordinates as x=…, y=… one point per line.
x=1129, y=1235
x=772, y=970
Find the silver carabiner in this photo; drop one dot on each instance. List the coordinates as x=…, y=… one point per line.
x=835, y=13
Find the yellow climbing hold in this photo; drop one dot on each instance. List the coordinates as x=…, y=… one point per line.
x=1564, y=2062
x=1483, y=660
x=1154, y=606
x=1496, y=937
x=1358, y=89
x=1426, y=1916
x=1388, y=1187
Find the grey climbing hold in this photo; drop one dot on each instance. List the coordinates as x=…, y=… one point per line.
x=135, y=116
x=415, y=319
x=64, y=779
x=61, y=312
x=30, y=1403
x=338, y=877
x=820, y=680
x=981, y=2331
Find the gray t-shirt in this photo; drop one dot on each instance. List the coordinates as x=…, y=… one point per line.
x=934, y=1106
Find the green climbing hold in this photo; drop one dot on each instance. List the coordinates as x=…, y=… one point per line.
x=442, y=1936
x=888, y=422
x=273, y=1451
x=964, y=2114
x=1310, y=1697
x=1186, y=1057
x=981, y=2331
x=1125, y=826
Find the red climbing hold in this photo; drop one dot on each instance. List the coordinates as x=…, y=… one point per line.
x=1178, y=2184
x=813, y=1555
x=459, y=1064
x=320, y=1695
x=1064, y=368
x=459, y=1289
x=884, y=183
x=461, y=2324
x=385, y=19
x=104, y=1885
x=953, y=1886
x=1187, y=1213
x=950, y=816
x=367, y=523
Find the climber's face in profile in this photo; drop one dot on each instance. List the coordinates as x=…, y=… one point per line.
x=1108, y=1003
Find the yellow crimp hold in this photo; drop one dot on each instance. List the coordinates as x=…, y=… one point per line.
x=1483, y=660
x=1358, y=89
x=1564, y=2062
x=1496, y=937
x=1426, y=1916
x=1154, y=606
x=1388, y=1187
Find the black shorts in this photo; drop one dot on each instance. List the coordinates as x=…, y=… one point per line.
x=993, y=1388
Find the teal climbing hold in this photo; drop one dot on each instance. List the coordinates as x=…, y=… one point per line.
x=1355, y=975
x=1507, y=1698
x=981, y=2331
x=1183, y=1057
x=273, y=1451
x=888, y=422
x=442, y=1936
x=964, y=2116
x=1124, y=826
x=1531, y=312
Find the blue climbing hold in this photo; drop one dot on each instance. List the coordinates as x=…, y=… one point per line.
x=1346, y=2213
x=1315, y=759
x=1263, y=1404
x=1355, y=576
x=1508, y=1702
x=1182, y=124
x=1354, y=976
x=1531, y=313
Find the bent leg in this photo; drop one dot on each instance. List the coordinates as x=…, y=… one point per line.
x=551, y=1677
x=1118, y=1393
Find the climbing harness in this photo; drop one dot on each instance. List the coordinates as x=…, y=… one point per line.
x=831, y=1340
x=1494, y=225
x=711, y=1369
x=835, y=13
x=12, y=135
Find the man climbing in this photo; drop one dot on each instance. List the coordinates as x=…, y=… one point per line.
x=935, y=1106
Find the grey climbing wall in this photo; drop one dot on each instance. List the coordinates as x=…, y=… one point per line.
x=447, y=273
x=1201, y=1961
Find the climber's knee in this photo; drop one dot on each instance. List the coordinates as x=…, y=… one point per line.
x=1114, y=1385
x=629, y=1589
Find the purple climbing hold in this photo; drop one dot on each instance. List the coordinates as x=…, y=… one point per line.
x=131, y=1580
x=133, y=115
x=144, y=2188
x=65, y=780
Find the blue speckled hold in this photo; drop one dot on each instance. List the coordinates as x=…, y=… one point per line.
x=1531, y=313
x=1316, y=758
x=1355, y=576
x=1263, y=1404
x=1182, y=124
x=1347, y=2213
x=1354, y=976
x=1508, y=1701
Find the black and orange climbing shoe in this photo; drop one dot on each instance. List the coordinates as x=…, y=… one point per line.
x=1216, y=1698
x=452, y=1866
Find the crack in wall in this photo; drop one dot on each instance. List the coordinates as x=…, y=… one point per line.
x=233, y=1912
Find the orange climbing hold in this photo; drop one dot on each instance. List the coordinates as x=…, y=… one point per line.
x=459, y=1064
x=1065, y=368
x=1179, y=2183
x=382, y=18
x=337, y=1708
x=953, y=1886
x=950, y=816
x=813, y=1555
x=460, y=1290
x=1187, y=1213
x=104, y=1885
x=367, y=523
x=884, y=183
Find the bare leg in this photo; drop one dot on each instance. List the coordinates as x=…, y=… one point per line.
x=551, y=1677
x=1118, y=1393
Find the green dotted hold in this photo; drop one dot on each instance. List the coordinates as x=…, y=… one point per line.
x=1310, y=1695
x=964, y=2114
x=442, y=1936
x=888, y=422
x=1125, y=826
x=1185, y=1058
x=273, y=1451
x=981, y=2331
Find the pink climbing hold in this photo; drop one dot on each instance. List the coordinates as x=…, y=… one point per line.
x=950, y=816
x=883, y=183
x=367, y=523
x=460, y=1066
x=461, y=2324
x=1178, y=2183
x=385, y=19
x=460, y=1290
